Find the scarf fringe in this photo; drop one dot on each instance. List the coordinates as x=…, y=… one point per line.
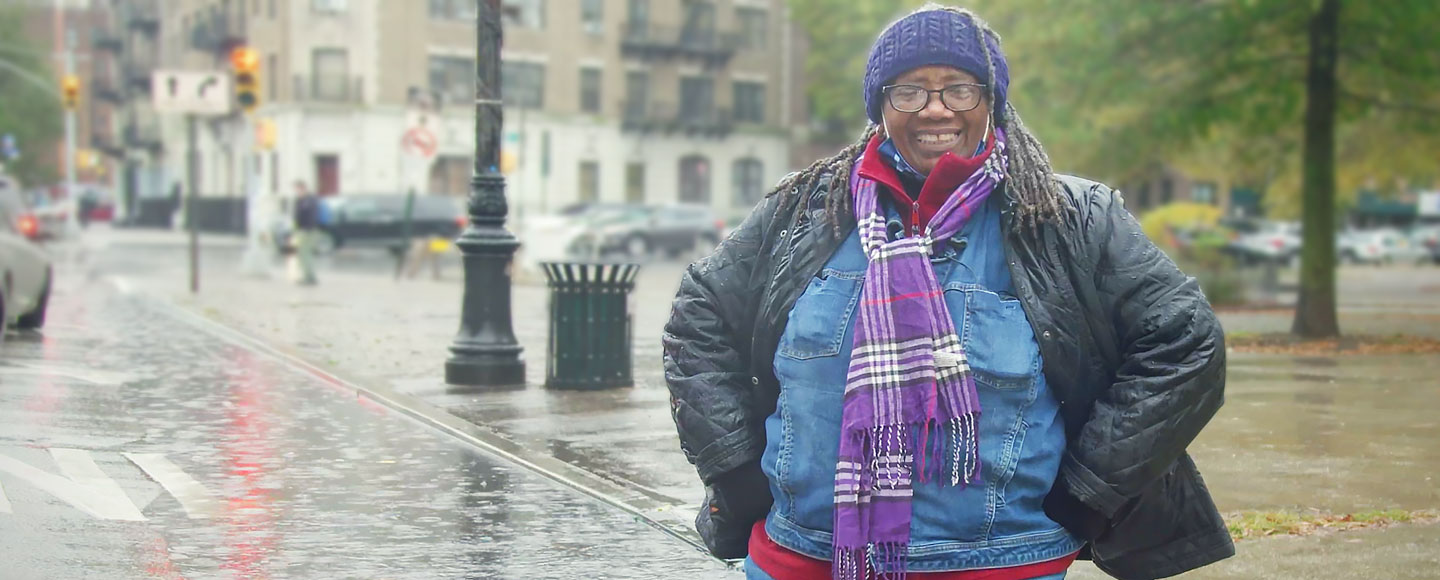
x=883, y=561
x=960, y=467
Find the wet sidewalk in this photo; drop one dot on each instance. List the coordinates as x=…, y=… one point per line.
x=1337, y=434
x=137, y=441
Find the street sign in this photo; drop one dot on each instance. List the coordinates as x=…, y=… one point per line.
x=190, y=92
x=420, y=141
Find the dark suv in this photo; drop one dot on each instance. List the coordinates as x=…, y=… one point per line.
x=377, y=221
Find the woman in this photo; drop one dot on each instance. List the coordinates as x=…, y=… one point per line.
x=931, y=354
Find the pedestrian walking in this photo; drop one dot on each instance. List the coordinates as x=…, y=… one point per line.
x=307, y=227
x=409, y=250
x=931, y=355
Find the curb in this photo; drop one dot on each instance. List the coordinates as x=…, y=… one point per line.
x=657, y=513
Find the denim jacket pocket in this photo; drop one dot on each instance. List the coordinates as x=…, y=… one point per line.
x=996, y=335
x=817, y=322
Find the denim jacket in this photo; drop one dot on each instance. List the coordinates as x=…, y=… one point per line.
x=996, y=522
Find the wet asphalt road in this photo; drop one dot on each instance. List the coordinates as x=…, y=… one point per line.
x=134, y=445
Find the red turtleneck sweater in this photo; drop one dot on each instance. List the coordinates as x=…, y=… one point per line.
x=948, y=174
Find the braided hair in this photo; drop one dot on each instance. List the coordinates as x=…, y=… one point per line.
x=1029, y=177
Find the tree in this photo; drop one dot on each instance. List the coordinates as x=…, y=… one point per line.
x=1267, y=79
x=28, y=112
x=840, y=33
x=1296, y=95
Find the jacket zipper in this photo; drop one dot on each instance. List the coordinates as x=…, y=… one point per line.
x=915, y=220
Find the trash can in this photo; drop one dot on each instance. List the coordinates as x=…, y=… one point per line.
x=590, y=324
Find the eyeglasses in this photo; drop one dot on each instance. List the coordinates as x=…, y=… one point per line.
x=913, y=99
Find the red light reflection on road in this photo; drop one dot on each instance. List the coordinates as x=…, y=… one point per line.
x=250, y=527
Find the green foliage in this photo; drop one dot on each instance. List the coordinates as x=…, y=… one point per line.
x=840, y=34
x=29, y=113
x=1113, y=86
x=1191, y=234
x=1160, y=222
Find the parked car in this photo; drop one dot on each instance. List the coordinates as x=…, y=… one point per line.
x=1379, y=246
x=377, y=221
x=24, y=265
x=1426, y=240
x=1269, y=242
x=637, y=231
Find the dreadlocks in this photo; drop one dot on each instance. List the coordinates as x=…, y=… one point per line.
x=1029, y=179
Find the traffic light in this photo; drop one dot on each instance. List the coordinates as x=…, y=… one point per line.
x=246, y=64
x=70, y=91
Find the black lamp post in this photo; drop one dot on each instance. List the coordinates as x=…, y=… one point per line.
x=485, y=354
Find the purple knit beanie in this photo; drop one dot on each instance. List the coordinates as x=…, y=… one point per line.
x=933, y=37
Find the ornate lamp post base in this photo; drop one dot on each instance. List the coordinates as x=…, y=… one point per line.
x=497, y=371
x=486, y=355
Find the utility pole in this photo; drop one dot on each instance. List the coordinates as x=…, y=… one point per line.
x=72, y=196
x=485, y=352
x=192, y=177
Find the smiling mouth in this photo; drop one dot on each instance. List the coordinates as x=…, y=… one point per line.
x=939, y=140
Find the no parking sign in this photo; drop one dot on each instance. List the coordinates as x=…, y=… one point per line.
x=420, y=142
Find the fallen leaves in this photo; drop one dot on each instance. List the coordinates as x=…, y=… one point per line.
x=1246, y=525
x=1359, y=344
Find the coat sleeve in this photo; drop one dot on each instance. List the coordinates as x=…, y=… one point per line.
x=1170, y=379
x=707, y=352
x=707, y=344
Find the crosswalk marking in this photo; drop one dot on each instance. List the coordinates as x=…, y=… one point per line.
x=192, y=495
x=83, y=486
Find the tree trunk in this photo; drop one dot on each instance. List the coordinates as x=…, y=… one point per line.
x=1315, y=314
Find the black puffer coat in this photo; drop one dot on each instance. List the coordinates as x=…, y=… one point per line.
x=1131, y=349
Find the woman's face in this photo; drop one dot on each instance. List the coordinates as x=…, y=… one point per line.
x=924, y=136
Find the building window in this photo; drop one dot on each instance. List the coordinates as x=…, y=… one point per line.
x=637, y=94
x=452, y=10
x=524, y=13
x=270, y=9
x=592, y=16
x=697, y=98
x=637, y=19
x=589, y=181
x=635, y=182
x=749, y=102
x=590, y=90
x=453, y=78
x=522, y=84
x=1203, y=193
x=330, y=68
x=695, y=180
x=753, y=28
x=749, y=182
x=699, y=29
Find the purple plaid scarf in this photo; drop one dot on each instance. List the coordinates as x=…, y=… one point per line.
x=909, y=387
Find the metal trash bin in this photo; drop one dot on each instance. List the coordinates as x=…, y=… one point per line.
x=590, y=324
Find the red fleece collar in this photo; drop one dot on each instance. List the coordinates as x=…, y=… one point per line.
x=948, y=174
